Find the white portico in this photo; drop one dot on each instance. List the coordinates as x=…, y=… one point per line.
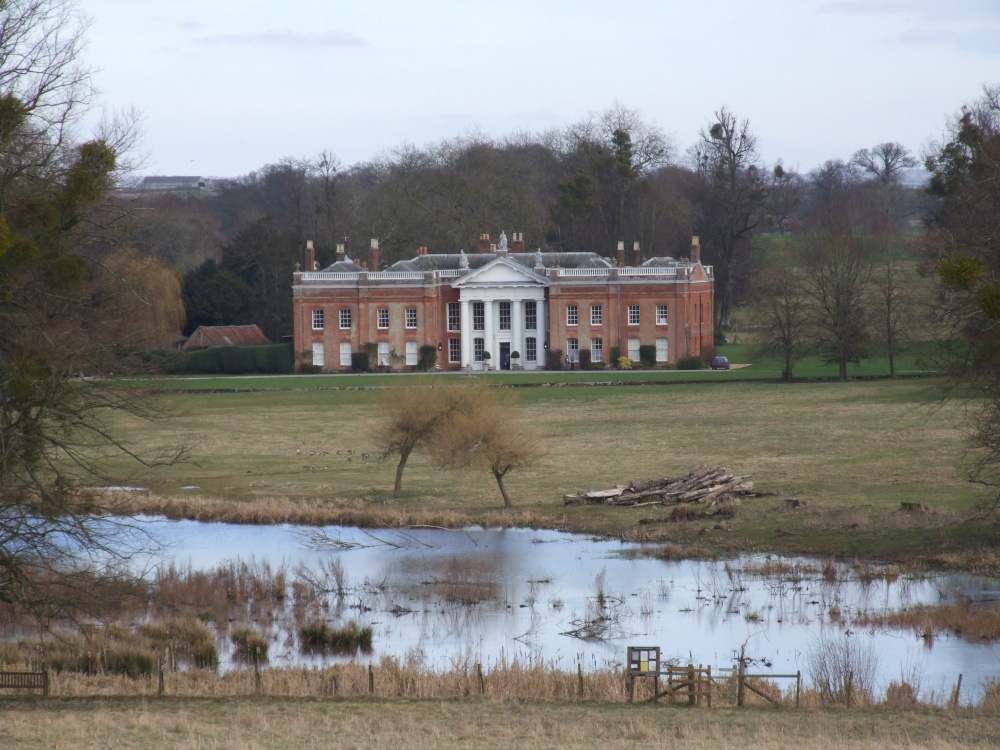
x=503, y=312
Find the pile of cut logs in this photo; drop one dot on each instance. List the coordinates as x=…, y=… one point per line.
x=708, y=485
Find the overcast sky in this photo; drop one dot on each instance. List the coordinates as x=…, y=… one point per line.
x=226, y=86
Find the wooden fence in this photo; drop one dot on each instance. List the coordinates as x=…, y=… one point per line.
x=25, y=681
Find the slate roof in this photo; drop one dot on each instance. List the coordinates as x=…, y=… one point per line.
x=205, y=336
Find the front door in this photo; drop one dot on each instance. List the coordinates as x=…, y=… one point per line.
x=504, y=356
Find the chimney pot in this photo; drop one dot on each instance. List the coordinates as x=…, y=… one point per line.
x=695, y=249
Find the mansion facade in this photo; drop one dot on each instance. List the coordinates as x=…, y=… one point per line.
x=501, y=307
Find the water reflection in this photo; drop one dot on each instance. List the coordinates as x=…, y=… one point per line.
x=495, y=595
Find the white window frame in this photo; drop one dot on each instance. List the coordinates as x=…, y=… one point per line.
x=633, y=349
x=345, y=319
x=454, y=317
x=319, y=354
x=597, y=350
x=345, y=353
x=478, y=347
x=454, y=351
x=662, y=350
x=411, y=317
x=662, y=317
x=573, y=349
x=633, y=315
x=384, y=357
x=478, y=316
x=317, y=317
x=382, y=318
x=504, y=316
x=531, y=349
x=596, y=315
x=530, y=315
x=572, y=315
x=411, y=353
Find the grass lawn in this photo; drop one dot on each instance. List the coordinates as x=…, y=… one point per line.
x=852, y=452
x=435, y=725
x=747, y=366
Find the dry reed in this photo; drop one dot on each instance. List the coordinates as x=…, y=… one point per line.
x=966, y=620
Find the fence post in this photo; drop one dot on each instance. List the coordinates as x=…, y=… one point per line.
x=45, y=682
x=579, y=680
x=631, y=687
x=479, y=677
x=850, y=684
x=958, y=689
x=159, y=687
x=371, y=680
x=692, y=698
x=709, y=685
x=256, y=671
x=798, y=686
x=740, y=672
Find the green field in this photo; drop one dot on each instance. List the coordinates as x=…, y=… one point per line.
x=852, y=452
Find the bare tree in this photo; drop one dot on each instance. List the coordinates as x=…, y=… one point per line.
x=489, y=437
x=64, y=315
x=783, y=316
x=734, y=196
x=837, y=274
x=965, y=250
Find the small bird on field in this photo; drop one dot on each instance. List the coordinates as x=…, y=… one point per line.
x=350, y=451
x=298, y=451
x=350, y=459
x=365, y=456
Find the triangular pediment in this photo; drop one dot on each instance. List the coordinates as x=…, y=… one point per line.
x=501, y=272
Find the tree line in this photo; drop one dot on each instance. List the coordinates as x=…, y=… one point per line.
x=611, y=177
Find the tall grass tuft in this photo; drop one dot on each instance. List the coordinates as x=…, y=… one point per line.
x=320, y=637
x=251, y=645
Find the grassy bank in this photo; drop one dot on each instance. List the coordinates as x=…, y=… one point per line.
x=850, y=452
x=433, y=725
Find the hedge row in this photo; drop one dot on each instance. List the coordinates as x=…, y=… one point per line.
x=276, y=359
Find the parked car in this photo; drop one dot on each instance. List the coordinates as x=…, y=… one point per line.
x=720, y=363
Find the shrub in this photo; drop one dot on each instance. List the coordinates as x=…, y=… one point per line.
x=554, y=359
x=690, y=363
x=720, y=337
x=624, y=363
x=359, y=361
x=428, y=357
x=310, y=369
x=647, y=355
x=585, y=359
x=614, y=354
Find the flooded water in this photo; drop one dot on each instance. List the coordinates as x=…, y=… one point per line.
x=541, y=596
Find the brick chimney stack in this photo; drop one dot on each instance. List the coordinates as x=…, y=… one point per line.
x=695, y=250
x=636, y=255
x=374, y=256
x=517, y=246
x=422, y=250
x=310, y=259
x=483, y=244
x=620, y=253
x=340, y=251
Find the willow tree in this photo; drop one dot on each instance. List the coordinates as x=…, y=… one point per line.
x=489, y=436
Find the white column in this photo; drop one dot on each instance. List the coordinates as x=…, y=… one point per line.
x=517, y=330
x=466, y=333
x=542, y=332
x=489, y=334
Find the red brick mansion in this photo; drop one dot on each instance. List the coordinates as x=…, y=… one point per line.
x=500, y=301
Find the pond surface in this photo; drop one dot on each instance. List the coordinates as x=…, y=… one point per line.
x=490, y=596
